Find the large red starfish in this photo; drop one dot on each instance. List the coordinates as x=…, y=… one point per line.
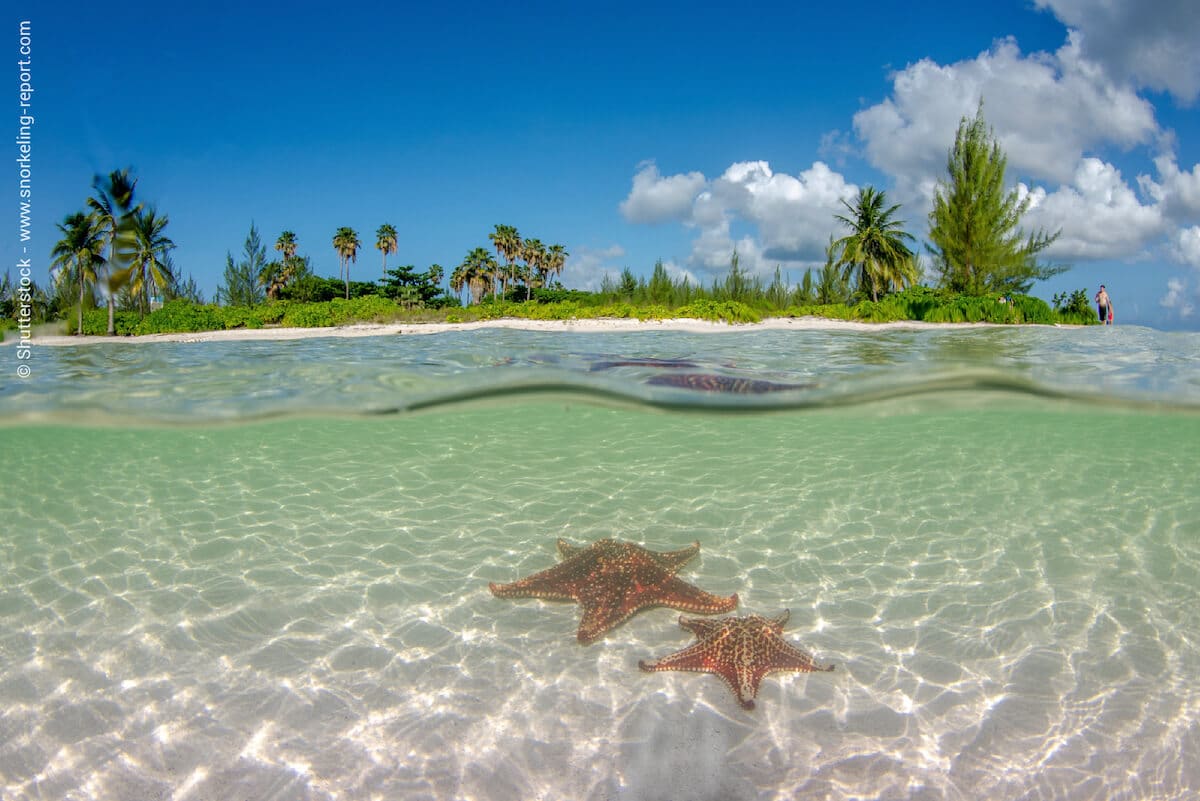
x=741, y=650
x=612, y=581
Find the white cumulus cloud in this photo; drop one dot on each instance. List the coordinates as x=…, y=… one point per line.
x=793, y=213
x=1177, y=190
x=655, y=198
x=586, y=267
x=768, y=217
x=1046, y=111
x=1178, y=298
x=1099, y=215
x=1151, y=42
x=1187, y=246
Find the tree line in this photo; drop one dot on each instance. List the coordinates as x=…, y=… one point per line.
x=117, y=250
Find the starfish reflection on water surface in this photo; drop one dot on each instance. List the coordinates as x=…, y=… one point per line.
x=612, y=581
x=741, y=650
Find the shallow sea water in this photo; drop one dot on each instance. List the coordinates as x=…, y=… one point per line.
x=259, y=570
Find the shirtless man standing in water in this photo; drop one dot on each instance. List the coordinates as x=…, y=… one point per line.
x=1104, y=306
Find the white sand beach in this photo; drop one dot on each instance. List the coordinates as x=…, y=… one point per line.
x=578, y=326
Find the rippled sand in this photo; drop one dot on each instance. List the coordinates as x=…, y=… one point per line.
x=300, y=609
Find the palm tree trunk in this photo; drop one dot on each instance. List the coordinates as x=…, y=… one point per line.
x=81, y=283
x=112, y=302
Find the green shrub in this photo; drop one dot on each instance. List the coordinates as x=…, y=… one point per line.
x=830, y=311
x=364, y=309
x=307, y=315
x=561, y=310
x=620, y=311
x=730, y=311
x=888, y=310
x=241, y=317
x=181, y=315
x=656, y=311
x=271, y=313
x=544, y=296
x=1033, y=310
x=1069, y=317
x=95, y=322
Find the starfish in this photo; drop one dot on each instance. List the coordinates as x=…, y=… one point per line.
x=711, y=382
x=612, y=581
x=741, y=650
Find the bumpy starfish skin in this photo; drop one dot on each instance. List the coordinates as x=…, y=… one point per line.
x=741, y=650
x=612, y=581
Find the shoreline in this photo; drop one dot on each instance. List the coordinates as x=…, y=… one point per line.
x=585, y=326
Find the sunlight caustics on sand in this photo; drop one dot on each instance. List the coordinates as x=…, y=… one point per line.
x=288, y=595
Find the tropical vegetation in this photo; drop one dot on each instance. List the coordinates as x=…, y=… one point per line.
x=874, y=253
x=977, y=244
x=113, y=273
x=346, y=243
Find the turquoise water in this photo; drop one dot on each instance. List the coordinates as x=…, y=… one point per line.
x=260, y=569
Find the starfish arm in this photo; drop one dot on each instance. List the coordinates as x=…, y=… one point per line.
x=678, y=594
x=566, y=550
x=695, y=658
x=561, y=582
x=600, y=618
x=674, y=560
x=701, y=657
x=702, y=627
x=744, y=682
x=789, y=657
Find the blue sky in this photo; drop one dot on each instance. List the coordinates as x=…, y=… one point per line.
x=627, y=132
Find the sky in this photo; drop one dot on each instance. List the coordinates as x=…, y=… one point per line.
x=627, y=132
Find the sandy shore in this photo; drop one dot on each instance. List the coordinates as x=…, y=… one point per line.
x=577, y=326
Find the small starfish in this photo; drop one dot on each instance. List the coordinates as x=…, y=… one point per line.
x=741, y=650
x=612, y=581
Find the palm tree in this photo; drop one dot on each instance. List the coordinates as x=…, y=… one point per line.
x=458, y=279
x=508, y=244
x=78, y=254
x=477, y=272
x=346, y=243
x=277, y=275
x=114, y=209
x=435, y=275
x=534, y=253
x=875, y=247
x=151, y=248
x=286, y=244
x=556, y=259
x=385, y=240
